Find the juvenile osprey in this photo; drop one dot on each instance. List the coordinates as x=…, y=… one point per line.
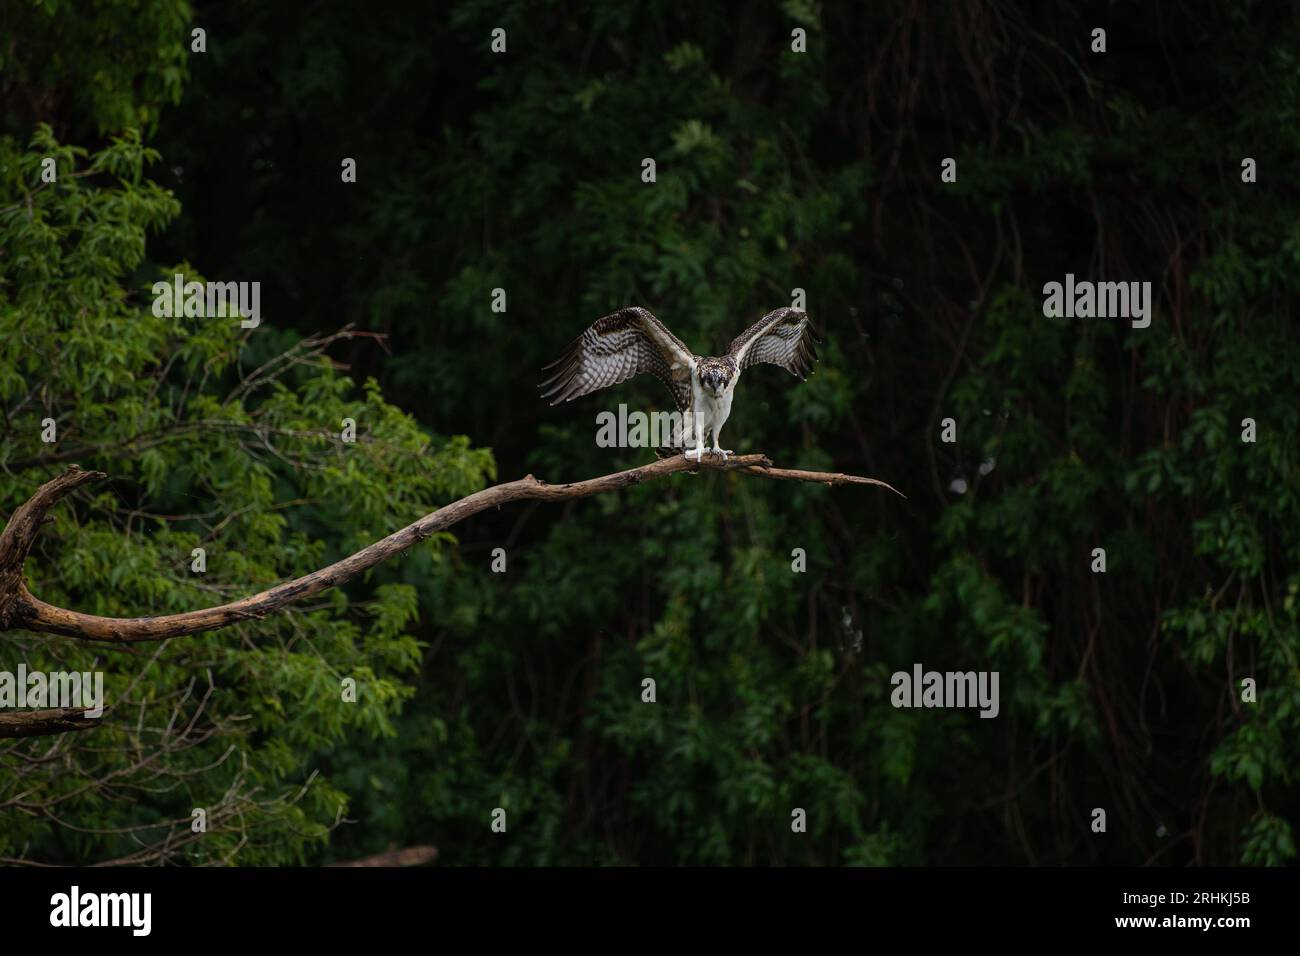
x=631, y=341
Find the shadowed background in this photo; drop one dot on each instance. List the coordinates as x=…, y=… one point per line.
x=775, y=170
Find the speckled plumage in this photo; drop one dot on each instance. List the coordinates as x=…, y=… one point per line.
x=631, y=341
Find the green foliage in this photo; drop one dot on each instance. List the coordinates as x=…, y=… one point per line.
x=214, y=438
x=116, y=64
x=775, y=171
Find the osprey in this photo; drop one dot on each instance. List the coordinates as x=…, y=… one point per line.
x=631, y=341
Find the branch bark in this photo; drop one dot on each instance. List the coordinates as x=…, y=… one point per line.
x=19, y=608
x=20, y=533
x=410, y=856
x=43, y=723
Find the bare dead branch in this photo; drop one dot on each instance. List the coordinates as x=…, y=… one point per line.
x=19, y=608
x=19, y=534
x=410, y=856
x=43, y=723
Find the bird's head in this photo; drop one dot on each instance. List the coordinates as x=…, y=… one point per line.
x=715, y=377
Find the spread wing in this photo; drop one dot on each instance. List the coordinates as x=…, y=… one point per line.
x=785, y=337
x=617, y=347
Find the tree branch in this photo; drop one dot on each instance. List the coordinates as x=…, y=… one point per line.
x=19, y=608
x=411, y=856
x=43, y=723
x=20, y=533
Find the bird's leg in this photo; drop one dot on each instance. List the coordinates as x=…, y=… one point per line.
x=716, y=449
x=694, y=432
x=720, y=413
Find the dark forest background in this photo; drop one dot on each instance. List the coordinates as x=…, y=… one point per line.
x=775, y=170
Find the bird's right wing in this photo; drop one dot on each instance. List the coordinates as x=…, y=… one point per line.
x=617, y=347
x=783, y=337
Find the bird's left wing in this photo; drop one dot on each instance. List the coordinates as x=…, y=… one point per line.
x=615, y=348
x=784, y=337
